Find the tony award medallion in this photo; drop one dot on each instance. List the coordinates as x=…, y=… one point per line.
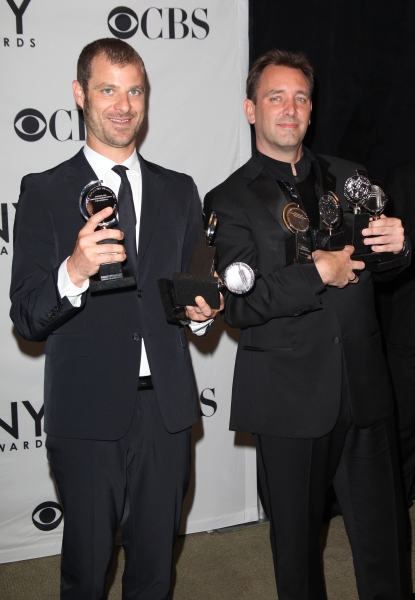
x=331, y=238
x=357, y=190
x=238, y=278
x=95, y=197
x=297, y=246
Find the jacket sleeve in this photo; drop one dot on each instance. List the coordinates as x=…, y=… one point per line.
x=288, y=291
x=37, y=308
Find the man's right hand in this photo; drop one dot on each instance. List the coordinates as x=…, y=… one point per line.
x=336, y=268
x=88, y=255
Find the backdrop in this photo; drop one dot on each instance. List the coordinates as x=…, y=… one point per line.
x=196, y=55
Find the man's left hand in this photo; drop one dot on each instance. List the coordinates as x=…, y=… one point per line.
x=203, y=312
x=389, y=235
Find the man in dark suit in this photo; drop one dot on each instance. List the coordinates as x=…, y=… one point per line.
x=120, y=394
x=310, y=380
x=397, y=301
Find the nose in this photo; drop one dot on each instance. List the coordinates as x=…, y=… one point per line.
x=290, y=108
x=122, y=102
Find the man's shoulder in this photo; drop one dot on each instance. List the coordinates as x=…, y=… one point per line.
x=334, y=163
x=232, y=183
x=58, y=170
x=168, y=174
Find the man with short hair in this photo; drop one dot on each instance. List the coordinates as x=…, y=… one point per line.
x=310, y=378
x=120, y=394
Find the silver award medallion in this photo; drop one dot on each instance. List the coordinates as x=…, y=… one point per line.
x=357, y=190
x=95, y=197
x=330, y=210
x=239, y=278
x=375, y=204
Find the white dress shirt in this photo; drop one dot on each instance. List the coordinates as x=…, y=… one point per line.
x=102, y=166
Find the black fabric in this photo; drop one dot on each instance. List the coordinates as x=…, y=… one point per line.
x=127, y=218
x=105, y=489
x=363, y=54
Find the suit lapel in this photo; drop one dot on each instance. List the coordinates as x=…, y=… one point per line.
x=266, y=188
x=326, y=181
x=79, y=172
x=153, y=189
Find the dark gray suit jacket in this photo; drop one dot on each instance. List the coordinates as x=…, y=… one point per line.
x=296, y=333
x=93, y=352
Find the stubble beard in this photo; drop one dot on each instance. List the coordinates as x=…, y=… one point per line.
x=103, y=135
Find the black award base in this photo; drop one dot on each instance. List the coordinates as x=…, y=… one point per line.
x=381, y=261
x=353, y=224
x=297, y=248
x=174, y=312
x=199, y=281
x=110, y=276
x=325, y=241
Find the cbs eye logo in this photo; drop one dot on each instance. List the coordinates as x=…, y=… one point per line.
x=47, y=516
x=123, y=22
x=30, y=125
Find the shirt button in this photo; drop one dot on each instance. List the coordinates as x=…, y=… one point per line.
x=139, y=293
x=136, y=337
x=336, y=340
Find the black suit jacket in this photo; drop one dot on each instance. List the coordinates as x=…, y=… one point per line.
x=296, y=332
x=93, y=352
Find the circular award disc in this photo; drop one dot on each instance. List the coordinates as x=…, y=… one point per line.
x=95, y=197
x=330, y=209
x=357, y=189
x=295, y=218
x=239, y=278
x=375, y=204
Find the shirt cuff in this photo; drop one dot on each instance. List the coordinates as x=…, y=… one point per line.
x=69, y=289
x=199, y=328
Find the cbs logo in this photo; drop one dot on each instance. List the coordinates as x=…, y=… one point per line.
x=165, y=23
x=47, y=516
x=30, y=125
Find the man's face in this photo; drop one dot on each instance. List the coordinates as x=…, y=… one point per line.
x=113, y=106
x=281, y=114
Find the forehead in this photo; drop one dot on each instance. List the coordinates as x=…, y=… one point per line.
x=103, y=70
x=282, y=78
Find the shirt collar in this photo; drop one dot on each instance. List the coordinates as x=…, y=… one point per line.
x=101, y=164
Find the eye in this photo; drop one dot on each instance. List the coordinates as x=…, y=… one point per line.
x=107, y=91
x=135, y=92
x=123, y=22
x=47, y=516
x=30, y=125
x=276, y=98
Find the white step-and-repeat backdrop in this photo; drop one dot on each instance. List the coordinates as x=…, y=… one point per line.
x=196, y=55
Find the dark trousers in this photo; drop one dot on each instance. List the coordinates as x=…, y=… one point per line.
x=401, y=361
x=294, y=475
x=139, y=481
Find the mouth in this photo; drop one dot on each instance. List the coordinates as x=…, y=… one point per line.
x=120, y=122
x=288, y=125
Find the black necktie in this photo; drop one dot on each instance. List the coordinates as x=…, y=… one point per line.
x=126, y=216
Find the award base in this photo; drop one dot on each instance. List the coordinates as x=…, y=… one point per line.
x=325, y=241
x=174, y=312
x=353, y=223
x=381, y=261
x=199, y=281
x=297, y=248
x=110, y=276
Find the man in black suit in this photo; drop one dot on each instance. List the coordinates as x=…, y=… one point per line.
x=120, y=394
x=397, y=301
x=310, y=379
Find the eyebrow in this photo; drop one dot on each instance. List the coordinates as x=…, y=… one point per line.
x=273, y=92
x=112, y=86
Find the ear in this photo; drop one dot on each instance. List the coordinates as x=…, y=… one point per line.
x=78, y=93
x=249, y=109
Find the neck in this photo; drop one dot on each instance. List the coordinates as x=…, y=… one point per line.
x=118, y=155
x=289, y=155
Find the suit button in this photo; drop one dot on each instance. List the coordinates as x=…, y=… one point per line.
x=136, y=337
x=139, y=293
x=336, y=340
